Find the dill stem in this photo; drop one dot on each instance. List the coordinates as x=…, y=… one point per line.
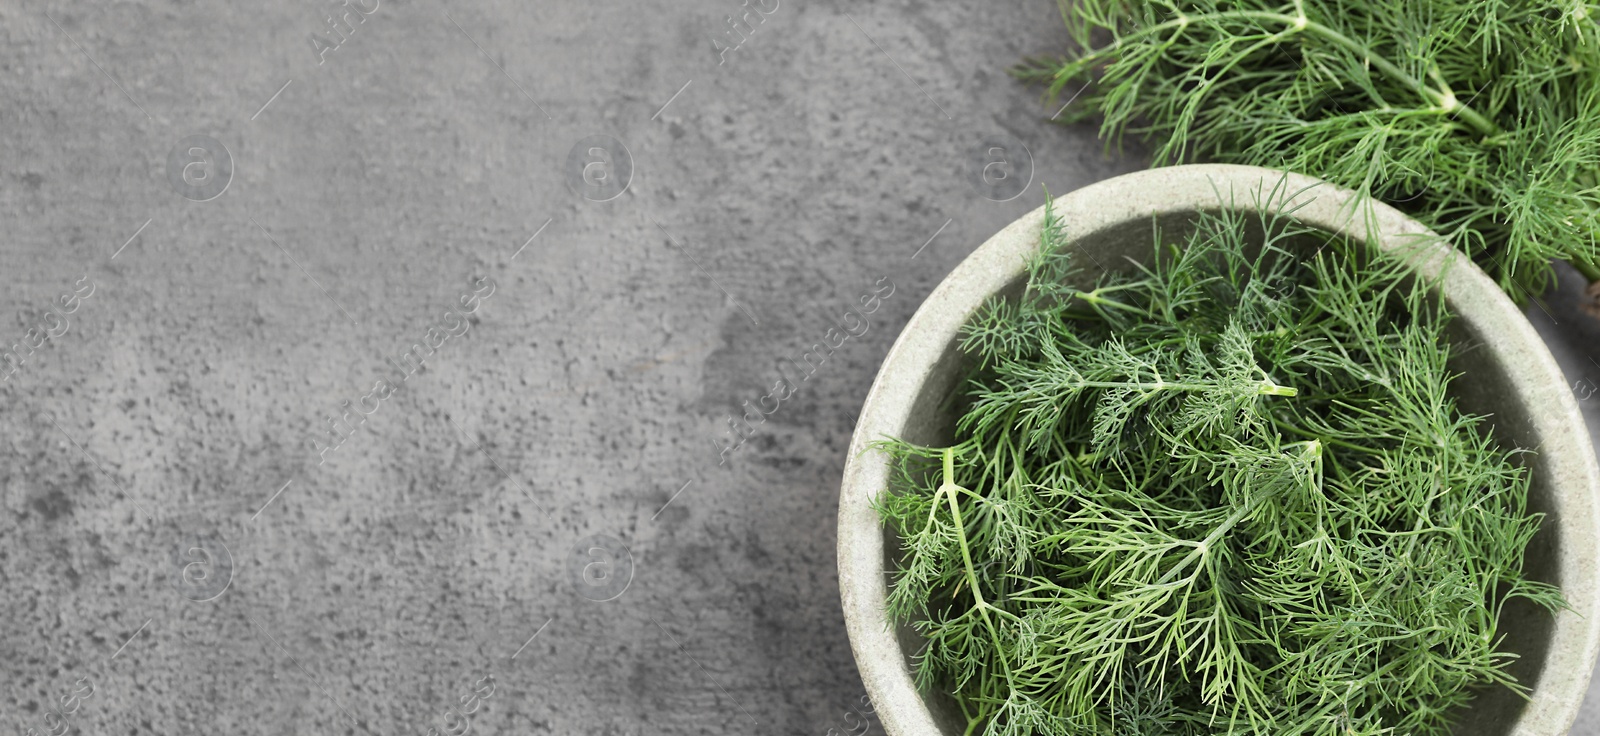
x=966, y=558
x=1445, y=101
x=972, y=720
x=1280, y=424
x=1203, y=547
x=1093, y=297
x=1265, y=388
x=1590, y=271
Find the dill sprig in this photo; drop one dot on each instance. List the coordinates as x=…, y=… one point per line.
x=1228, y=493
x=1481, y=119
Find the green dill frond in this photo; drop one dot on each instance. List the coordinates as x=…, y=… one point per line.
x=1480, y=119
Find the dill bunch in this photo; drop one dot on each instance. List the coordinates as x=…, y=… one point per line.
x=1227, y=493
x=1480, y=119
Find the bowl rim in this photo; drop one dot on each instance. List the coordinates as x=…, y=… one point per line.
x=1535, y=379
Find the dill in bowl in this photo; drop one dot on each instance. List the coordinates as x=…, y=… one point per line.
x=1229, y=492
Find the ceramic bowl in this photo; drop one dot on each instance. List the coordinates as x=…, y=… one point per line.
x=1510, y=375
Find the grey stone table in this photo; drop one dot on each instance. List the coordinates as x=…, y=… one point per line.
x=366, y=398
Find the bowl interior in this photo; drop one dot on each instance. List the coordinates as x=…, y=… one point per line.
x=1484, y=386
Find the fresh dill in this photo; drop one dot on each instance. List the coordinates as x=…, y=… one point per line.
x=1481, y=119
x=1227, y=493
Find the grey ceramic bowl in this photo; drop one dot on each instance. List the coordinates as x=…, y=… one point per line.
x=1511, y=376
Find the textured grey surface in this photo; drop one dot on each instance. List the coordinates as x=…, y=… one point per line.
x=380, y=586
